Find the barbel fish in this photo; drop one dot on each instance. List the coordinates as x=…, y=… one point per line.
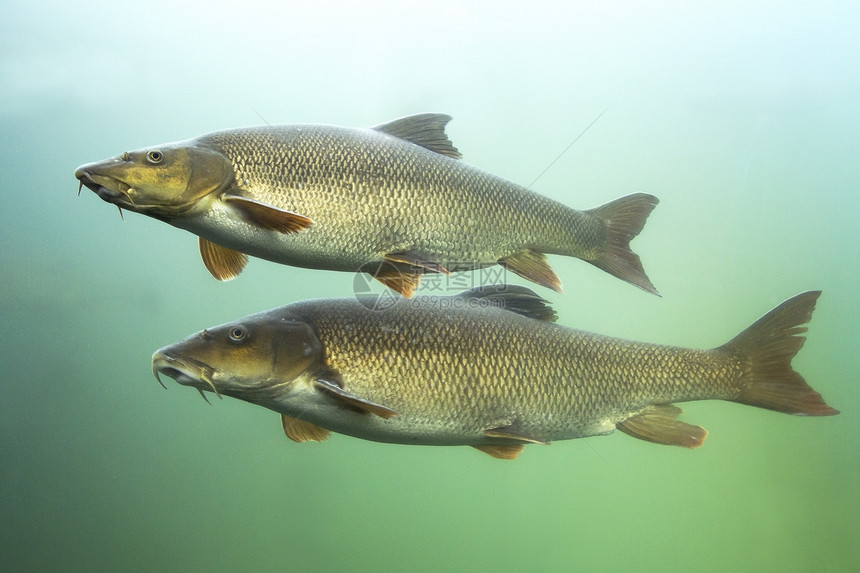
x=487, y=368
x=393, y=201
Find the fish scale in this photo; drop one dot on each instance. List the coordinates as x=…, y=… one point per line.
x=581, y=380
x=417, y=186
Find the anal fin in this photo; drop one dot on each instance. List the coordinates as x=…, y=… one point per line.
x=302, y=431
x=266, y=216
x=658, y=424
x=352, y=401
x=532, y=266
x=501, y=451
x=223, y=263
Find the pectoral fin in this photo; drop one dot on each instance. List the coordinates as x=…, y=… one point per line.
x=302, y=431
x=352, y=401
x=223, y=263
x=501, y=451
x=532, y=266
x=658, y=424
x=266, y=216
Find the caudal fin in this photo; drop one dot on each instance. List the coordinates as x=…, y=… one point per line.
x=624, y=219
x=767, y=348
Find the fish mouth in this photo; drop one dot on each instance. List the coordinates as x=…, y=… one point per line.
x=185, y=371
x=107, y=188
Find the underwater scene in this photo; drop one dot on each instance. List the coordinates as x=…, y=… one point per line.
x=732, y=128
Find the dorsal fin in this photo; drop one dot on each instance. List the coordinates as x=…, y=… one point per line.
x=514, y=298
x=424, y=129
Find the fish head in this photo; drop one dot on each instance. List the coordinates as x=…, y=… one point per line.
x=165, y=182
x=255, y=359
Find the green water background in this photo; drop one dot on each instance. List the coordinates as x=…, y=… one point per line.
x=743, y=118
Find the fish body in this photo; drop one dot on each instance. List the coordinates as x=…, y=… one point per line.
x=486, y=368
x=393, y=201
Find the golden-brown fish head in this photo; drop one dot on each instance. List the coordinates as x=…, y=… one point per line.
x=252, y=359
x=165, y=181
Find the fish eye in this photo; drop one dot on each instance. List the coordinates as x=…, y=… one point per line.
x=155, y=156
x=238, y=334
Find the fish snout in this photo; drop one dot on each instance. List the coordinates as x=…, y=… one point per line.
x=181, y=371
x=107, y=188
x=163, y=364
x=185, y=371
x=85, y=179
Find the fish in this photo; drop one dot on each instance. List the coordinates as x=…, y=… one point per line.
x=487, y=368
x=393, y=201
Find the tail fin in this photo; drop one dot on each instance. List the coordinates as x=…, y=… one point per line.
x=624, y=218
x=768, y=347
